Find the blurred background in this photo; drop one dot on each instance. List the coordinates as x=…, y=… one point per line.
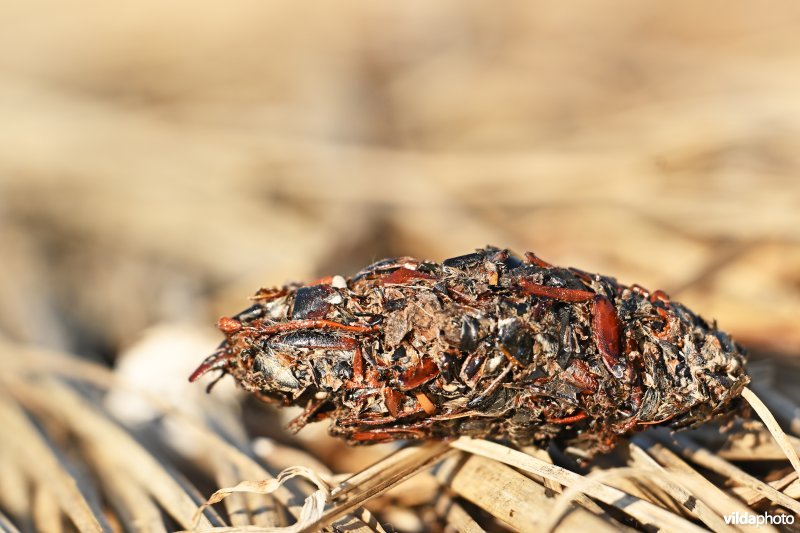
x=159, y=162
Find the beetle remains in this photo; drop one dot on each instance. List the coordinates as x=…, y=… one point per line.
x=485, y=344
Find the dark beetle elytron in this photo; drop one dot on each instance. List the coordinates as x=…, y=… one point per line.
x=483, y=344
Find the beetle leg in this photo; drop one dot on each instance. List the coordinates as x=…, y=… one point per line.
x=489, y=390
x=370, y=436
x=215, y=381
x=634, y=359
x=556, y=293
x=327, y=280
x=569, y=419
x=460, y=297
x=638, y=289
x=581, y=275
x=385, y=265
x=531, y=258
x=654, y=422
x=298, y=422
x=387, y=434
x=379, y=421
x=311, y=324
x=626, y=426
x=660, y=296
x=636, y=397
x=267, y=295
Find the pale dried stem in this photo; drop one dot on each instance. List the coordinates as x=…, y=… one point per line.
x=455, y=515
x=133, y=504
x=312, y=508
x=707, y=459
x=773, y=427
x=715, y=497
x=42, y=465
x=236, y=504
x=645, y=512
x=95, y=430
x=674, y=486
x=377, y=479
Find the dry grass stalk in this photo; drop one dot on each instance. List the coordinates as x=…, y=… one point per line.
x=14, y=489
x=707, y=459
x=645, y=512
x=627, y=479
x=499, y=490
x=57, y=492
x=793, y=490
x=46, y=511
x=278, y=455
x=755, y=446
x=718, y=500
x=39, y=361
x=455, y=516
x=607, y=477
x=377, y=479
x=133, y=503
x=781, y=406
x=662, y=479
x=773, y=427
x=752, y=498
x=350, y=493
x=236, y=504
x=312, y=508
x=97, y=431
x=6, y=524
x=671, y=485
x=544, y=456
x=580, y=499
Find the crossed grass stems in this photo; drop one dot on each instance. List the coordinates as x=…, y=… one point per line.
x=44, y=401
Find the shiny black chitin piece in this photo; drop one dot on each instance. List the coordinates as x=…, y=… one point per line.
x=485, y=344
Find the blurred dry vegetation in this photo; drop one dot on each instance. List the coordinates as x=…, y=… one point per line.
x=159, y=162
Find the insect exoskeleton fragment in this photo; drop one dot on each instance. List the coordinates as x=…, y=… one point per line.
x=485, y=344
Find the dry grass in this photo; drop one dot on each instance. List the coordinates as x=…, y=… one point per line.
x=160, y=162
x=73, y=465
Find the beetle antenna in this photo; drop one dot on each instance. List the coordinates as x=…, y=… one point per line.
x=216, y=360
